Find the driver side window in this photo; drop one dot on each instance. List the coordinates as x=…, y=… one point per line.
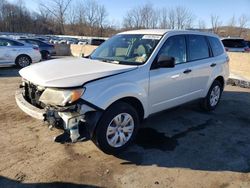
x=175, y=46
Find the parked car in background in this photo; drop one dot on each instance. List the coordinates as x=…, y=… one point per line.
x=131, y=76
x=82, y=42
x=95, y=42
x=235, y=45
x=19, y=53
x=46, y=49
x=71, y=40
x=55, y=40
x=43, y=39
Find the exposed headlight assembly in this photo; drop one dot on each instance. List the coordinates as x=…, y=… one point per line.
x=61, y=97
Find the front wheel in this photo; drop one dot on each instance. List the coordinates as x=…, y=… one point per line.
x=117, y=128
x=212, y=99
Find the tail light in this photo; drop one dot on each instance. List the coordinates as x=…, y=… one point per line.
x=247, y=49
x=36, y=48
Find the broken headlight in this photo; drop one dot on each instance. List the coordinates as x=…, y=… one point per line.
x=60, y=97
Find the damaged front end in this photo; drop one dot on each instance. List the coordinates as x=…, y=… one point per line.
x=60, y=108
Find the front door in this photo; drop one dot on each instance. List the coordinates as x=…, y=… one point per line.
x=170, y=87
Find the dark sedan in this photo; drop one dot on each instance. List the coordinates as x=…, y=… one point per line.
x=46, y=49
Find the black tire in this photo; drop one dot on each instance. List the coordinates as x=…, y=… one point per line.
x=206, y=103
x=45, y=55
x=23, y=61
x=100, y=137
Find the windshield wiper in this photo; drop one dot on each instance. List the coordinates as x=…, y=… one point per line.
x=110, y=61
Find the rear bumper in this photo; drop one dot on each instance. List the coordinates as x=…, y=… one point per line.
x=53, y=52
x=36, y=59
x=27, y=107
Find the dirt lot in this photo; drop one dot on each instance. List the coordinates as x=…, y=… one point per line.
x=240, y=64
x=182, y=147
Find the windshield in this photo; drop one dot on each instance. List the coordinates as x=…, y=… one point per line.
x=127, y=49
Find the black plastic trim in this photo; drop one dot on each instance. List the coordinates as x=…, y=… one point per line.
x=82, y=101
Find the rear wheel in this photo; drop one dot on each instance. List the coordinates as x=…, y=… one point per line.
x=117, y=128
x=212, y=99
x=45, y=54
x=23, y=61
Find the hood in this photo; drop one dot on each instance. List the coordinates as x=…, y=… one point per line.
x=70, y=72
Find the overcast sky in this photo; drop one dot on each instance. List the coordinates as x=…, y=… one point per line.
x=225, y=9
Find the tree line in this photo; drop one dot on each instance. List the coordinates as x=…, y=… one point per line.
x=89, y=18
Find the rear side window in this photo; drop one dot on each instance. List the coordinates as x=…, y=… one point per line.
x=216, y=46
x=197, y=47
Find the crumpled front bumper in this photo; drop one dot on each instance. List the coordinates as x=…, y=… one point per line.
x=89, y=114
x=27, y=107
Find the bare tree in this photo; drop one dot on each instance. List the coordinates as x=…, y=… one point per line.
x=133, y=19
x=243, y=20
x=141, y=17
x=231, y=26
x=148, y=16
x=216, y=23
x=202, y=25
x=184, y=18
x=101, y=17
x=91, y=11
x=163, y=20
x=176, y=18
x=172, y=19
x=58, y=9
x=87, y=17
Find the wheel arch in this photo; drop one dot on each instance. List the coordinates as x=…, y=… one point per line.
x=93, y=118
x=221, y=80
x=20, y=55
x=135, y=103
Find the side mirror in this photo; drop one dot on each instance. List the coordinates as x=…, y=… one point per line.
x=165, y=61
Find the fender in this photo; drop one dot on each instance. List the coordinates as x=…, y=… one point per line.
x=104, y=97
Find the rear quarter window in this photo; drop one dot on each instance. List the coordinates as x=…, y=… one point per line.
x=216, y=46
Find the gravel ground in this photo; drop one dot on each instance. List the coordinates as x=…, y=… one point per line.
x=182, y=147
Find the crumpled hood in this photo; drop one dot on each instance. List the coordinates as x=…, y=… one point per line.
x=70, y=72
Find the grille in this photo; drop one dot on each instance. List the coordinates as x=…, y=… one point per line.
x=32, y=94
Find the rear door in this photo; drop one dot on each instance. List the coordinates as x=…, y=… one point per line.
x=201, y=63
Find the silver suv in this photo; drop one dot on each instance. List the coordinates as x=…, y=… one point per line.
x=125, y=80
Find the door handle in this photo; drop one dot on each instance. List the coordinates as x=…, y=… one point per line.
x=187, y=71
x=213, y=65
x=175, y=76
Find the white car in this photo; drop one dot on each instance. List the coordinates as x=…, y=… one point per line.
x=15, y=52
x=128, y=78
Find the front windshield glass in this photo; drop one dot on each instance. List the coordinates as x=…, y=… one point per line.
x=127, y=49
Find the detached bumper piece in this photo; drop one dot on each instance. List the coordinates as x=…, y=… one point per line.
x=27, y=107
